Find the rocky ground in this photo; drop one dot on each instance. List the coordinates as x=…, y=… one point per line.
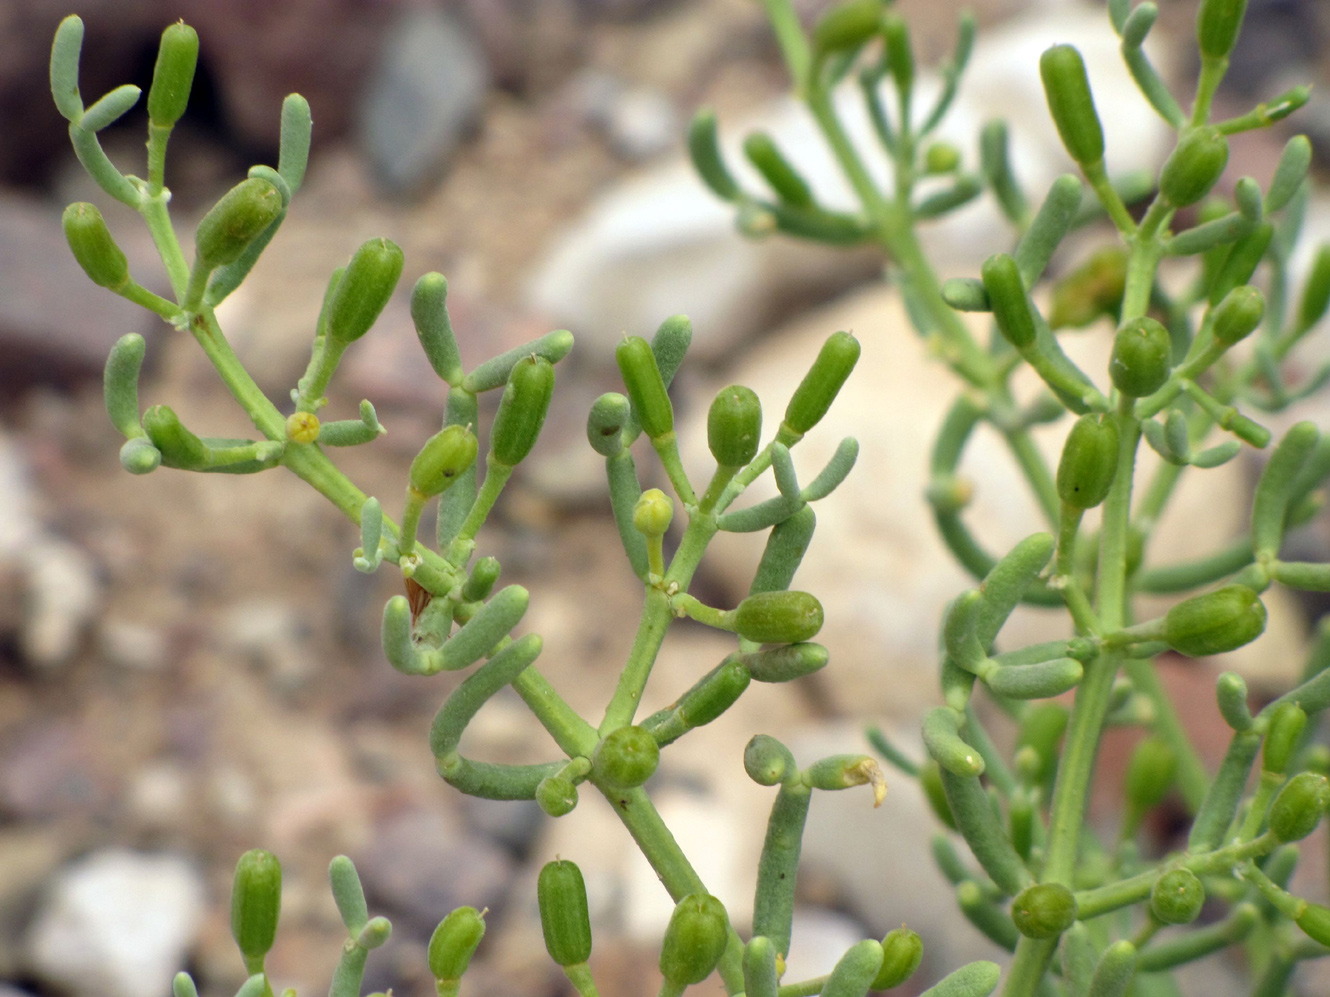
x=190, y=666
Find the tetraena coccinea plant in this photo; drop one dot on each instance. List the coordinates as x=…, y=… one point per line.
x=1081, y=915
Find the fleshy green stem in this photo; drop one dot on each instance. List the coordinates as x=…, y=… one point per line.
x=637, y=813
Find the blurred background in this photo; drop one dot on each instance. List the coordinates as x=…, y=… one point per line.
x=190, y=666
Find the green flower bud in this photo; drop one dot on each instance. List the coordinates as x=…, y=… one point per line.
x=1044, y=910
x=235, y=221
x=93, y=248
x=1217, y=25
x=646, y=389
x=902, y=951
x=823, y=382
x=454, y=943
x=1142, y=356
x=789, y=186
x=652, y=513
x=847, y=25
x=1067, y=89
x=442, y=460
x=1093, y=289
x=364, y=290
x=1238, y=315
x=1215, y=622
x=767, y=761
x=694, y=940
x=179, y=447
x=941, y=157
x=1299, y=806
x=1150, y=775
x=522, y=410
x=1194, y=166
x=1177, y=897
x=256, y=903
x=1315, y=923
x=1089, y=462
x=625, y=758
x=556, y=795
x=734, y=426
x=783, y=617
x=604, y=423
x=1282, y=736
x=172, y=77
x=564, y=916
x=1010, y=303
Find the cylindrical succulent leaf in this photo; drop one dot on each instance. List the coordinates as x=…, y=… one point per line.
x=1150, y=774
x=1283, y=736
x=604, y=423
x=179, y=447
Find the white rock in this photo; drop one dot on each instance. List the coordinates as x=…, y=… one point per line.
x=660, y=243
x=62, y=597
x=117, y=924
x=18, y=523
x=136, y=646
